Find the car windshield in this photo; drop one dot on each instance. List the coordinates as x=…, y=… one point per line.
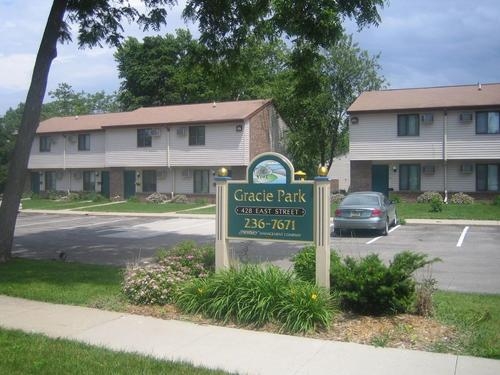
x=361, y=200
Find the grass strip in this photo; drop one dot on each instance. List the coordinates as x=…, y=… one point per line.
x=475, y=211
x=144, y=207
x=477, y=318
x=35, y=354
x=61, y=282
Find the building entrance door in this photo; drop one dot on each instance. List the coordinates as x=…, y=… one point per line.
x=380, y=178
x=128, y=184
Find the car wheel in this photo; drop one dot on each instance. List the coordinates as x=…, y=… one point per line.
x=385, y=231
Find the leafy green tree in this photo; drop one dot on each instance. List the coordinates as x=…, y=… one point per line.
x=315, y=104
x=224, y=26
x=67, y=102
x=177, y=69
x=161, y=71
x=9, y=125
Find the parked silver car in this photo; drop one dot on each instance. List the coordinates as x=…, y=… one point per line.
x=365, y=210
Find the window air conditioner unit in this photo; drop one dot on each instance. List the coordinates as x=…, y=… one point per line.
x=71, y=138
x=429, y=169
x=465, y=117
x=182, y=131
x=467, y=168
x=155, y=132
x=186, y=173
x=427, y=118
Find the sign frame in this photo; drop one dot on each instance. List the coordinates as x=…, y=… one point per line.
x=270, y=206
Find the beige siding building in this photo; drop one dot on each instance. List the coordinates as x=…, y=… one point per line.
x=443, y=139
x=171, y=149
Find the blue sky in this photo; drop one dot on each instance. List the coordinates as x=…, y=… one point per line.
x=421, y=43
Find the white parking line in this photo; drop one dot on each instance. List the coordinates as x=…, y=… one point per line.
x=376, y=238
x=462, y=236
x=45, y=222
x=94, y=224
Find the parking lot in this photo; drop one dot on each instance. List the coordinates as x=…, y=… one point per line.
x=470, y=255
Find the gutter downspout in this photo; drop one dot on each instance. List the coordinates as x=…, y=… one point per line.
x=168, y=163
x=445, y=155
x=64, y=163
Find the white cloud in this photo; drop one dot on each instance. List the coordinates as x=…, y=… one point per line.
x=16, y=71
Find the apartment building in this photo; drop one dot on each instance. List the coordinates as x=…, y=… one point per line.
x=170, y=149
x=443, y=139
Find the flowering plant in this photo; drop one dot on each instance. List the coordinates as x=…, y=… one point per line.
x=159, y=282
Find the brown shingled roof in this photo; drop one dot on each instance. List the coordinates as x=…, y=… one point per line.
x=173, y=114
x=485, y=95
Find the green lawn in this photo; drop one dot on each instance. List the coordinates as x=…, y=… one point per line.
x=35, y=354
x=476, y=211
x=204, y=211
x=60, y=282
x=477, y=318
x=145, y=207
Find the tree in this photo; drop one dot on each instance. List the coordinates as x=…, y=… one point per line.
x=9, y=125
x=224, y=26
x=67, y=102
x=98, y=21
x=176, y=69
x=315, y=105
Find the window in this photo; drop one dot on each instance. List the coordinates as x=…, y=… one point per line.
x=144, y=138
x=487, y=177
x=44, y=143
x=487, y=122
x=50, y=180
x=196, y=135
x=409, y=177
x=201, y=179
x=408, y=125
x=83, y=142
x=88, y=181
x=149, y=181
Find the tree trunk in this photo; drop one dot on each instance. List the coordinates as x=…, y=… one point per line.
x=31, y=118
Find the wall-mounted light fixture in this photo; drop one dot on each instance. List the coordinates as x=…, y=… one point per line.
x=354, y=120
x=239, y=128
x=394, y=168
x=97, y=174
x=138, y=174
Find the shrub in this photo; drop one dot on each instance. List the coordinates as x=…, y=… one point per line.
x=436, y=204
x=336, y=198
x=367, y=285
x=423, y=296
x=461, y=198
x=428, y=196
x=133, y=198
x=180, y=198
x=157, y=198
x=395, y=198
x=256, y=296
x=158, y=283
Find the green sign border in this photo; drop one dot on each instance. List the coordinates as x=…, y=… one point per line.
x=271, y=211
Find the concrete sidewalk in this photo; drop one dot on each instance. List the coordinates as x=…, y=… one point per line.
x=233, y=350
